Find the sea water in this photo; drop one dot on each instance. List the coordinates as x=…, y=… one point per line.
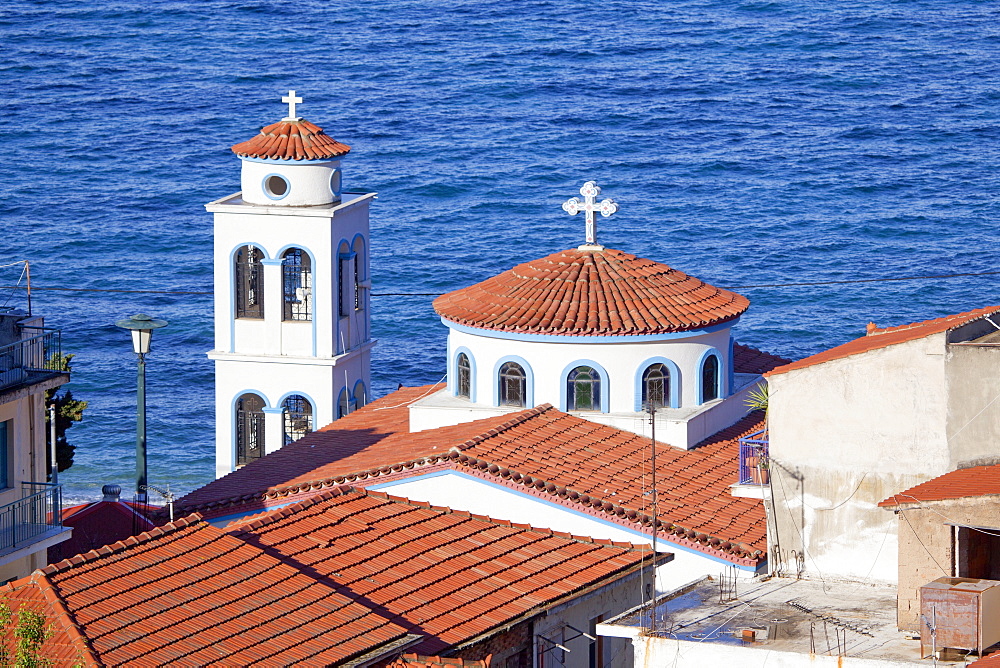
x=748, y=143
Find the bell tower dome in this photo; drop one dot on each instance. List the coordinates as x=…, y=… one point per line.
x=292, y=317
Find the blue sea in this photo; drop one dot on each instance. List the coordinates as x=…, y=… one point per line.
x=748, y=143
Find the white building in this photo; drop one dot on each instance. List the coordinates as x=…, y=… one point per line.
x=292, y=317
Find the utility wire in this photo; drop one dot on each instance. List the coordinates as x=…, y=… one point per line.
x=438, y=294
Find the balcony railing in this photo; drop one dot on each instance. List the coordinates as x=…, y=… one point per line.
x=754, y=462
x=37, y=512
x=31, y=359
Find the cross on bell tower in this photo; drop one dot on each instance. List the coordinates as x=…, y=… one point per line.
x=291, y=100
x=589, y=205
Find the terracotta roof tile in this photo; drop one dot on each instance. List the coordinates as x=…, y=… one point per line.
x=974, y=481
x=591, y=293
x=291, y=140
x=590, y=467
x=883, y=337
x=188, y=593
x=442, y=577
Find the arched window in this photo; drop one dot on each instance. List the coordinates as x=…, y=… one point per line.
x=344, y=404
x=513, y=385
x=360, y=395
x=296, y=275
x=464, y=376
x=710, y=378
x=249, y=428
x=249, y=278
x=656, y=386
x=297, y=417
x=359, y=271
x=583, y=389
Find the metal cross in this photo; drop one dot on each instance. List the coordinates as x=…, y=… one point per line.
x=589, y=206
x=292, y=101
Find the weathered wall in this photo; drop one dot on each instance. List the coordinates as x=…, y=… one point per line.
x=844, y=435
x=927, y=546
x=973, y=417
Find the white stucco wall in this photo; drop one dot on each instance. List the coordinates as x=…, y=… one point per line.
x=309, y=183
x=844, y=435
x=465, y=492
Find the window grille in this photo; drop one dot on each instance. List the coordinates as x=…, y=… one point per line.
x=656, y=386
x=513, y=385
x=249, y=429
x=464, y=376
x=347, y=284
x=344, y=405
x=360, y=395
x=249, y=282
x=298, y=418
x=296, y=272
x=583, y=392
x=710, y=379
x=357, y=283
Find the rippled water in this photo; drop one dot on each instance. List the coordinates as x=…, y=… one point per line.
x=747, y=143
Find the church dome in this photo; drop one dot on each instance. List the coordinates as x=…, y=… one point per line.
x=591, y=292
x=291, y=139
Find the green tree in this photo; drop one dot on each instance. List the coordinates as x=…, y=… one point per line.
x=68, y=411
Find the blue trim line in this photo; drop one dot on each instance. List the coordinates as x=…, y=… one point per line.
x=232, y=289
x=674, y=400
x=267, y=191
x=731, y=368
x=700, y=366
x=312, y=403
x=605, y=384
x=560, y=338
x=315, y=301
x=339, y=175
x=232, y=423
x=472, y=373
x=642, y=536
x=529, y=380
x=354, y=391
x=228, y=519
x=276, y=161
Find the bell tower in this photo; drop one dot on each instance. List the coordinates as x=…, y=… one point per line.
x=292, y=313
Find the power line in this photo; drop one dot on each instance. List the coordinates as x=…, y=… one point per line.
x=438, y=294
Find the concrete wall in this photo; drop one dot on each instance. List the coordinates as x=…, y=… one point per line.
x=927, y=546
x=973, y=409
x=845, y=435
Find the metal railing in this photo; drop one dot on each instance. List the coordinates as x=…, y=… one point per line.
x=38, y=511
x=31, y=358
x=754, y=462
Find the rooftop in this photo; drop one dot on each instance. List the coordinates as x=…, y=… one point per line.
x=296, y=139
x=882, y=337
x=974, y=481
x=591, y=293
x=782, y=615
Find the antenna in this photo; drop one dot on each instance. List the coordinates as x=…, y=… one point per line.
x=167, y=496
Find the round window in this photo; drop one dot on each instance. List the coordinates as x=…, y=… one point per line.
x=275, y=186
x=335, y=182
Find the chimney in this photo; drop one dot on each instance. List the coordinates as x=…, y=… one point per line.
x=111, y=492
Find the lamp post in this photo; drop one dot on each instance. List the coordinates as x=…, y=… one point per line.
x=141, y=326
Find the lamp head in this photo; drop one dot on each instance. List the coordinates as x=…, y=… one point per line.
x=141, y=326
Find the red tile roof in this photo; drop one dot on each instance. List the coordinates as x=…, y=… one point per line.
x=747, y=359
x=417, y=661
x=291, y=140
x=591, y=293
x=882, y=337
x=451, y=575
x=98, y=524
x=190, y=594
x=975, y=481
x=590, y=467
x=989, y=661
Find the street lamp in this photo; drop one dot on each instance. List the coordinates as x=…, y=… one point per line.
x=142, y=327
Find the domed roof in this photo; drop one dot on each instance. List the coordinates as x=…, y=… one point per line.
x=591, y=292
x=291, y=139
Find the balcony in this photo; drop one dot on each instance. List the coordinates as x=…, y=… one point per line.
x=754, y=466
x=33, y=522
x=32, y=359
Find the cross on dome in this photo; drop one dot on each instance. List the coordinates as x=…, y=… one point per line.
x=292, y=101
x=589, y=205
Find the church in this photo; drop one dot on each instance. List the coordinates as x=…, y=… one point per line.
x=564, y=374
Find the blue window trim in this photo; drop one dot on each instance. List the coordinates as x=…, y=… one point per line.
x=232, y=420
x=267, y=193
x=529, y=380
x=700, y=390
x=558, y=338
x=339, y=174
x=605, y=383
x=232, y=290
x=354, y=393
x=730, y=369
x=350, y=401
x=281, y=402
x=674, y=400
x=316, y=305
x=453, y=375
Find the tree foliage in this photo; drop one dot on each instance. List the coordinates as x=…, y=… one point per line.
x=68, y=411
x=29, y=635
